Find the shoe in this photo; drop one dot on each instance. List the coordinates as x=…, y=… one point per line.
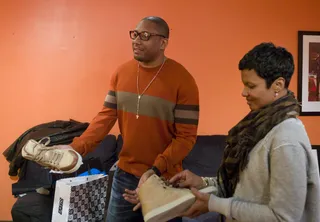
x=162, y=202
x=64, y=160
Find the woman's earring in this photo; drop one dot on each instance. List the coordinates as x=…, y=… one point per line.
x=276, y=94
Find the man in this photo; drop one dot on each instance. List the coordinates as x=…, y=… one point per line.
x=156, y=103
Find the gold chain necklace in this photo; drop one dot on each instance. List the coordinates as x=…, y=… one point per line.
x=140, y=95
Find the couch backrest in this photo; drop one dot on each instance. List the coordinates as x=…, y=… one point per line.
x=205, y=157
x=106, y=151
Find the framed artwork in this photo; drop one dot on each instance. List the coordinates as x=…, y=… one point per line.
x=309, y=72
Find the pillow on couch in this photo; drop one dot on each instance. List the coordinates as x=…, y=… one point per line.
x=106, y=151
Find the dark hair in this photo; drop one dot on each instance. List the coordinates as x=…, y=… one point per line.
x=269, y=62
x=161, y=24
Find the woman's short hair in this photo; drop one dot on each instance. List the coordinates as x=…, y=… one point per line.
x=269, y=62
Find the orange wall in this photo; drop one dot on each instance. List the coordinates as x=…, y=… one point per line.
x=56, y=57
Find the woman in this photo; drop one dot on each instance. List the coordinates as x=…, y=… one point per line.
x=268, y=172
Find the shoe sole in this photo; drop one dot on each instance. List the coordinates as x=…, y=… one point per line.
x=173, y=209
x=75, y=168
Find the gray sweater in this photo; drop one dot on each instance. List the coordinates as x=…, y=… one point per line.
x=280, y=183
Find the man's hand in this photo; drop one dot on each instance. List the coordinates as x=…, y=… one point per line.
x=145, y=176
x=187, y=179
x=201, y=205
x=132, y=195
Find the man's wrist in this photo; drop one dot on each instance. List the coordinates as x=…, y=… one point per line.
x=155, y=170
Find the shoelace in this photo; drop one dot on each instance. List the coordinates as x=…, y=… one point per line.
x=54, y=156
x=165, y=183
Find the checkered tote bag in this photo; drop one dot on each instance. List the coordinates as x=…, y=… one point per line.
x=80, y=199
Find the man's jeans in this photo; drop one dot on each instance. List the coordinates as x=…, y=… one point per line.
x=120, y=210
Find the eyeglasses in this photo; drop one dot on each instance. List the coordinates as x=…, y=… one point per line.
x=144, y=36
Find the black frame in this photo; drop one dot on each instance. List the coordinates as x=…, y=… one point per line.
x=301, y=34
x=317, y=147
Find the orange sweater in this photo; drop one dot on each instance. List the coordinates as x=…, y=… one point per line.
x=166, y=129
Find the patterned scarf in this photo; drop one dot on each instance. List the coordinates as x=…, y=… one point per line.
x=246, y=134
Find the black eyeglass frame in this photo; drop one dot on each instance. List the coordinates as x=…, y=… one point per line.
x=142, y=35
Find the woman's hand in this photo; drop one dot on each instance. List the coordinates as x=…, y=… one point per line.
x=187, y=179
x=199, y=207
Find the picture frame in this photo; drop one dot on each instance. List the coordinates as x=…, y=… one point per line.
x=309, y=72
x=316, y=153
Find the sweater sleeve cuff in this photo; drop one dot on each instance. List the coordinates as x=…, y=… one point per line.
x=212, y=181
x=220, y=205
x=161, y=165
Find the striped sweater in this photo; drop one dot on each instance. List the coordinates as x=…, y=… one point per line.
x=166, y=129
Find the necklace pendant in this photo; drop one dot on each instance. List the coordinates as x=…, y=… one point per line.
x=137, y=116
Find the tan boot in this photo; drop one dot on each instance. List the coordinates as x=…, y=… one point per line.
x=64, y=160
x=161, y=202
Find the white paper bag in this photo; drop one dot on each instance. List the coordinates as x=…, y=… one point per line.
x=80, y=199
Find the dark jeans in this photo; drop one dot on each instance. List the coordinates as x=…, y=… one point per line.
x=120, y=210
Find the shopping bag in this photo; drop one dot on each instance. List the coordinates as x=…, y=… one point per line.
x=80, y=199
